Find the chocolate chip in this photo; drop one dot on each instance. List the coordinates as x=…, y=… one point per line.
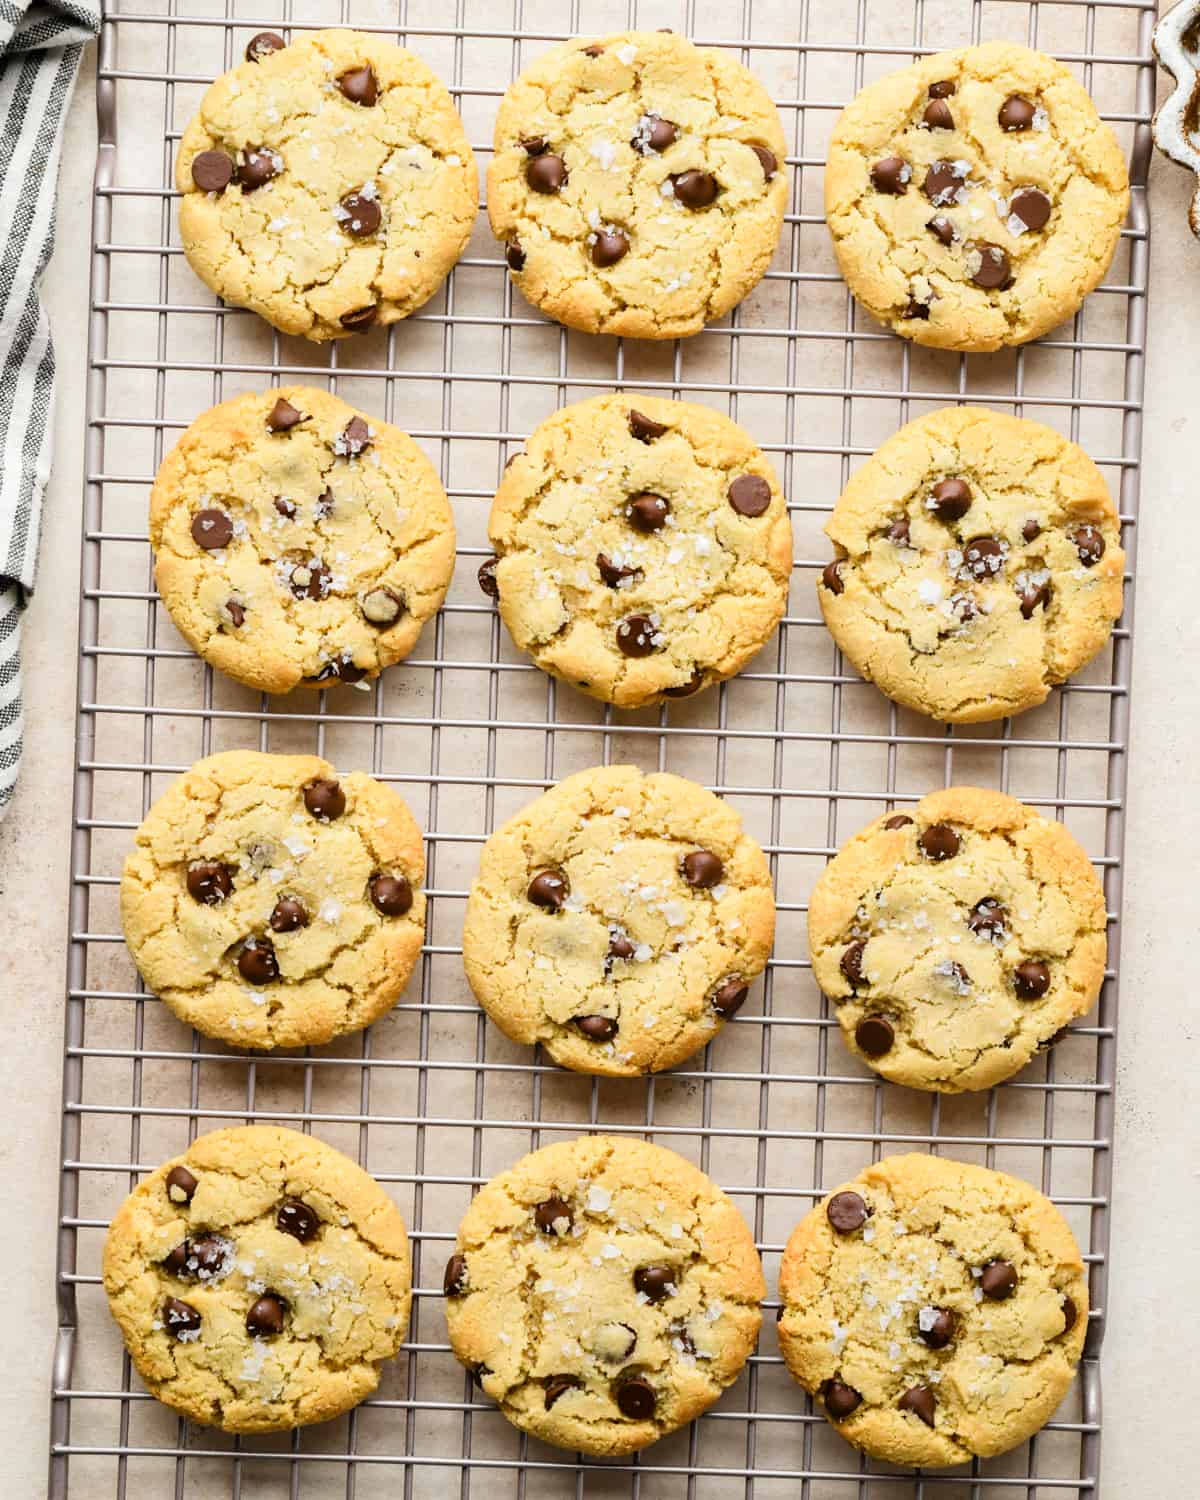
x=390, y=894
x=1016, y=113
x=382, y=607
x=941, y=229
x=454, y=1278
x=939, y=841
x=695, y=189
x=851, y=961
x=283, y=416
x=730, y=995
x=514, y=255
x=653, y=134
x=359, y=85
x=549, y=889
x=1032, y=529
x=181, y=1185
x=637, y=635
x=891, y=175
x=1031, y=979
x=767, y=160
x=285, y=507
x=1088, y=543
x=643, y=428
x=989, y=919
x=310, y=580
x=1032, y=207
x=954, y=975
x=916, y=309
x=944, y=88
x=636, y=1399
x=901, y=820
x=355, y=438
x=943, y=181
x=556, y=1385
x=875, y=1035
x=935, y=1326
x=257, y=962
x=950, y=499
x=359, y=216
x=702, y=869
x=609, y=246
x=325, y=799
x=831, y=576
x=937, y=115
x=175, y=1262
x=920, y=1400
x=687, y=689
x=546, y=173
x=846, y=1211
x=654, y=1282
x=647, y=512
x=359, y=319
x=749, y=494
x=1070, y=1314
x=265, y=1318
x=208, y=1256
x=535, y=145
x=342, y=667
x=209, y=882
x=212, y=530
x=550, y=1213
x=478, y=1372
x=593, y=49
x=681, y=1338
x=998, y=1280
x=898, y=534
x=840, y=1399
x=263, y=45
x=258, y=166
x=296, y=1218
x=612, y=573
x=487, y=578
x=620, y=945
x=179, y=1317
x=289, y=915
x=1033, y=595
x=212, y=171
x=596, y=1028
x=983, y=557
x=994, y=271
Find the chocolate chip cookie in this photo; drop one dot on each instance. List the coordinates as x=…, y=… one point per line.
x=643, y=548
x=638, y=183
x=327, y=185
x=603, y=1292
x=618, y=920
x=975, y=198
x=259, y=1280
x=979, y=563
x=936, y=1309
x=271, y=902
x=958, y=939
x=299, y=542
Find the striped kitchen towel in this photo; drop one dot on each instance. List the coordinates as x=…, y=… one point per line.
x=40, y=47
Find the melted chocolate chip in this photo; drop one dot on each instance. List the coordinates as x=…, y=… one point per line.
x=875, y=1035
x=851, y=961
x=620, y=946
x=609, y=246
x=920, y=1400
x=596, y=1028
x=943, y=181
x=257, y=962
x=935, y=1326
x=901, y=820
x=647, y=512
x=688, y=688
x=939, y=841
x=891, y=175
x=654, y=1282
x=942, y=229
x=983, y=557
x=937, y=115
x=1032, y=207
x=989, y=919
x=846, y=1211
x=949, y=500
x=179, y=1317
x=1032, y=529
x=1033, y=595
x=637, y=635
x=454, y=1278
x=390, y=894
x=944, y=88
x=636, y=1399
x=702, y=869
x=1070, y=1313
x=551, y=1213
x=831, y=576
x=283, y=416
x=355, y=438
x=730, y=995
x=212, y=171
x=1088, y=543
x=1031, y=979
x=265, y=1318
x=767, y=160
x=263, y=45
x=259, y=165
x=613, y=573
x=296, y=1218
x=209, y=882
x=381, y=607
x=546, y=173
x=212, y=530
x=359, y=85
x=898, y=534
x=549, y=889
x=695, y=190
x=325, y=799
x=1016, y=113
x=994, y=271
x=840, y=1399
x=288, y=915
x=557, y=1385
x=654, y=134
x=750, y=495
x=998, y=1280
x=285, y=507
x=487, y=577
x=514, y=256
x=181, y=1185
x=359, y=319
x=643, y=428
x=359, y=216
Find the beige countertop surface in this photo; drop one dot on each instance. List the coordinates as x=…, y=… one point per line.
x=1153, y=1314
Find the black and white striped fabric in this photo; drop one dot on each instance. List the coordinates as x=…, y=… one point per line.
x=40, y=47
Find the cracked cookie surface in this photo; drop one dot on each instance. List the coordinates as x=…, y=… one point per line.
x=272, y=903
x=638, y=184
x=644, y=548
x=604, y=1292
x=618, y=920
x=298, y=542
x=974, y=198
x=328, y=186
x=259, y=1280
x=937, y=1309
x=979, y=564
x=957, y=939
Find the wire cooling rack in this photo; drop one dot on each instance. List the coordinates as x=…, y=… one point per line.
x=433, y=1100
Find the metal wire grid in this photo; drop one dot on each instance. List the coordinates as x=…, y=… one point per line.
x=432, y=1100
